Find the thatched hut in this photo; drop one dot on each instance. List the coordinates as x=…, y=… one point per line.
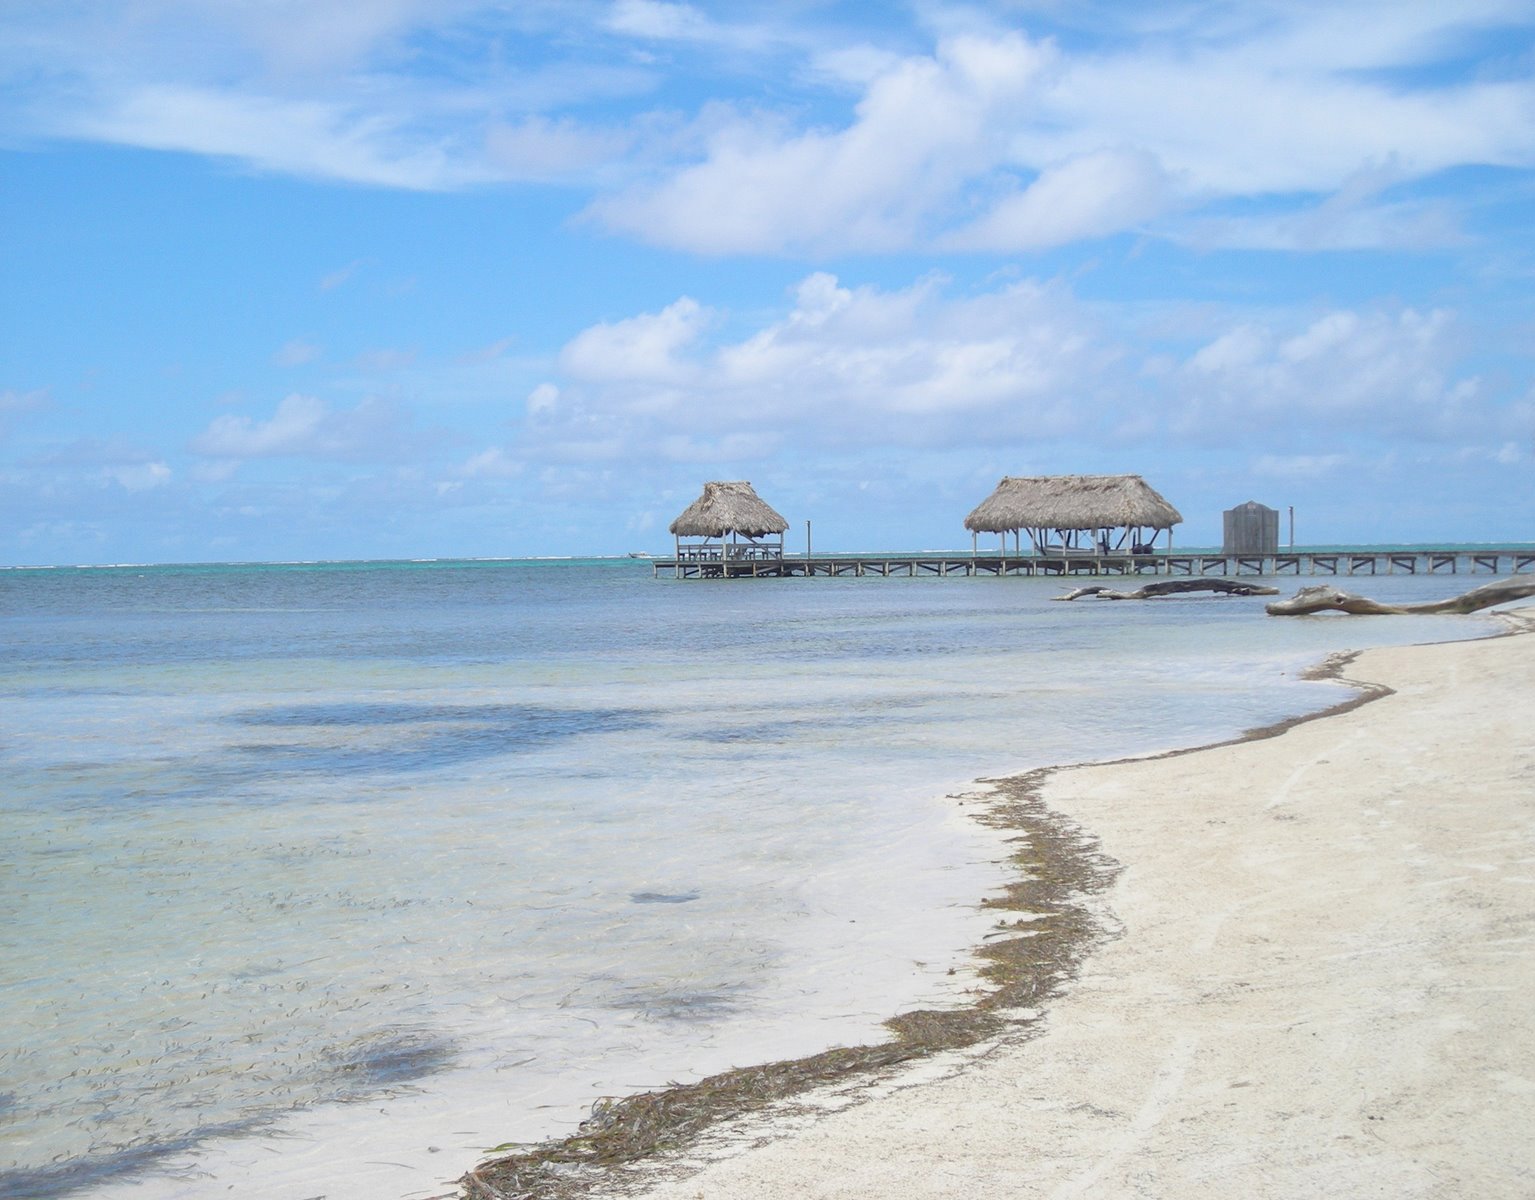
x=729, y=523
x=1076, y=514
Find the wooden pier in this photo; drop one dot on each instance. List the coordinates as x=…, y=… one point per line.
x=1363, y=561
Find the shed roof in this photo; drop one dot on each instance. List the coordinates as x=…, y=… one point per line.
x=1072, y=502
x=728, y=507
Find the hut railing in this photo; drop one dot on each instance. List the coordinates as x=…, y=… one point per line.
x=742, y=552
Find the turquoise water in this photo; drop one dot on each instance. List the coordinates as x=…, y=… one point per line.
x=406, y=860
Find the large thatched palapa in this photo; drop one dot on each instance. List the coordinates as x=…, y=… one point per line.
x=1086, y=514
x=729, y=523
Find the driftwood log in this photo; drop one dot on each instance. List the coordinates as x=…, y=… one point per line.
x=1173, y=587
x=1325, y=598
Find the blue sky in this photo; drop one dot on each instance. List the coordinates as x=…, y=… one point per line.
x=295, y=279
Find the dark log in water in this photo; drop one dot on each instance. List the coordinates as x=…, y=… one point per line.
x=1325, y=598
x=1173, y=587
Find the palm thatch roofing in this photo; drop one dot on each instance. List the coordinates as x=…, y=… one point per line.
x=728, y=507
x=1072, y=502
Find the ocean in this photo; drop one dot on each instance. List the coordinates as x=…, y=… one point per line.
x=324, y=879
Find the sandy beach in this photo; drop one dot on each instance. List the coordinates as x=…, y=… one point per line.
x=1316, y=981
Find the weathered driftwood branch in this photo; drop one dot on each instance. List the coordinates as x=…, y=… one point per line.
x=1325, y=598
x=1172, y=587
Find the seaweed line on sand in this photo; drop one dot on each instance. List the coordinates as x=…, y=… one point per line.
x=1028, y=958
x=1058, y=869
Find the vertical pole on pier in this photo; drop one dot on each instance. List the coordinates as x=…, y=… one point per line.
x=1292, y=527
x=807, y=541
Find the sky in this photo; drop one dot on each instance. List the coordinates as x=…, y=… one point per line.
x=370, y=279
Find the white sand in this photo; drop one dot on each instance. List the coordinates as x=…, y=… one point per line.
x=1323, y=983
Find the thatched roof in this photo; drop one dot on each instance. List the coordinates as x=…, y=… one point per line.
x=726, y=508
x=1072, y=502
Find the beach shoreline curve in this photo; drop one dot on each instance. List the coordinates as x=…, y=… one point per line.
x=1062, y=875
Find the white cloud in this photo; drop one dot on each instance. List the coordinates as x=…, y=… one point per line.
x=648, y=347
x=296, y=353
x=655, y=19
x=216, y=470
x=843, y=368
x=840, y=366
x=486, y=354
x=1338, y=223
x=991, y=140
x=1096, y=194
x=543, y=150
x=921, y=131
x=331, y=280
x=12, y=401
x=731, y=448
x=306, y=427
x=913, y=352
x=1236, y=350
x=1299, y=466
x=494, y=463
x=1388, y=372
x=322, y=35
x=1241, y=125
x=543, y=400
x=324, y=138
x=140, y=477
x=291, y=430
x=385, y=359
x=1052, y=146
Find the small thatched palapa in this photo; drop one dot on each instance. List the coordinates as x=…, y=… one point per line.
x=728, y=508
x=726, y=513
x=1113, y=507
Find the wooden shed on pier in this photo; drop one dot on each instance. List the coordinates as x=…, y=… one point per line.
x=729, y=524
x=1076, y=514
x=1250, y=528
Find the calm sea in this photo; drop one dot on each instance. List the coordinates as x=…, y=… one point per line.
x=321, y=880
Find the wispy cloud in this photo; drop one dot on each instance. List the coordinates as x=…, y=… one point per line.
x=140, y=477
x=1004, y=142
x=296, y=353
x=923, y=130
x=332, y=280
x=1299, y=467
x=1346, y=372
x=306, y=427
x=12, y=401
x=991, y=138
x=384, y=359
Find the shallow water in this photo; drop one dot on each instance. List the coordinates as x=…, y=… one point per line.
x=406, y=856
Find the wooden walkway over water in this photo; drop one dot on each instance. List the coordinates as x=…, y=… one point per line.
x=1364, y=561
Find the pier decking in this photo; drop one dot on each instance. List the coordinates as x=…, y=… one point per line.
x=1363, y=561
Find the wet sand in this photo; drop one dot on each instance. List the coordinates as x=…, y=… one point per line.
x=1318, y=981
